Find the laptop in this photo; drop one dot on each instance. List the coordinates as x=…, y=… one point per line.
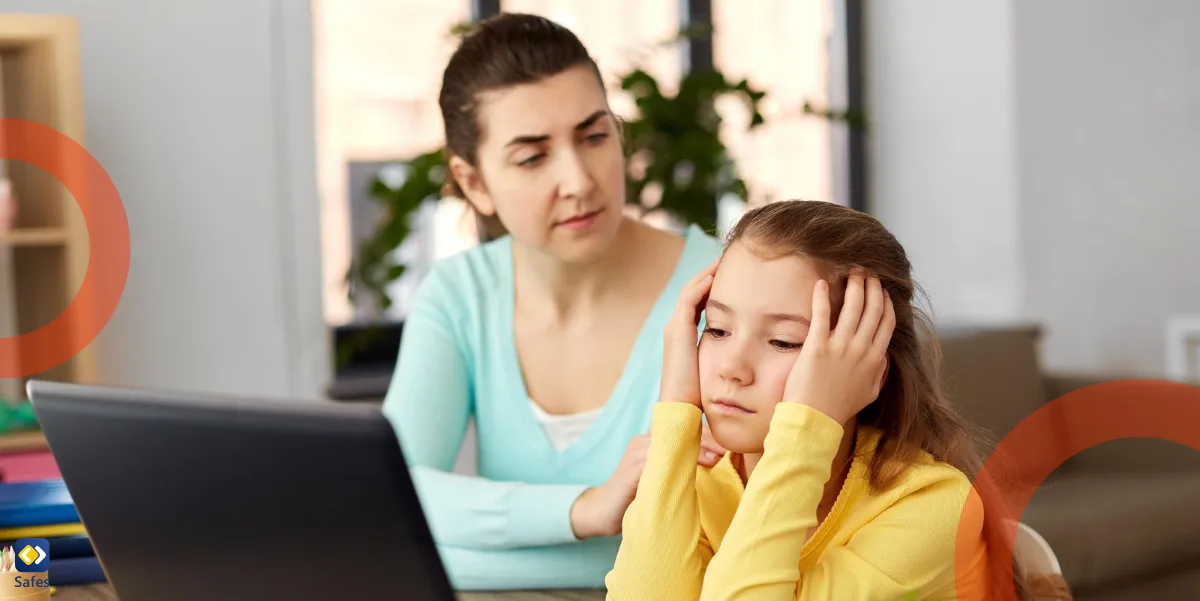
x=193, y=497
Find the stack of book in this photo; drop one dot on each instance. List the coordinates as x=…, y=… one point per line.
x=44, y=509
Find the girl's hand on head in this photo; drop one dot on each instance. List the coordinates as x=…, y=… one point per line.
x=840, y=372
x=681, y=370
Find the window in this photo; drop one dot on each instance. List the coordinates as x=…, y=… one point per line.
x=621, y=35
x=378, y=68
x=789, y=49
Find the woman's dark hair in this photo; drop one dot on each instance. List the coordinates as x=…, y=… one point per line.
x=505, y=50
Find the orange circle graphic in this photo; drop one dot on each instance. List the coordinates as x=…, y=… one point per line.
x=108, y=248
x=1059, y=430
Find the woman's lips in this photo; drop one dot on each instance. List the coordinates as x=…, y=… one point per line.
x=730, y=406
x=581, y=221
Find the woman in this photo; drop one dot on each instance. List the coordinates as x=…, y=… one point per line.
x=549, y=337
x=848, y=477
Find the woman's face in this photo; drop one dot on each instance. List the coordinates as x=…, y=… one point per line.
x=550, y=165
x=757, y=316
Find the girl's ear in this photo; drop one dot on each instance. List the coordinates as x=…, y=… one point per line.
x=887, y=366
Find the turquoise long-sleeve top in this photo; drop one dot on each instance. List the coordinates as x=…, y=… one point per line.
x=509, y=527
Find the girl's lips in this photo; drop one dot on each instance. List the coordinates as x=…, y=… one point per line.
x=730, y=406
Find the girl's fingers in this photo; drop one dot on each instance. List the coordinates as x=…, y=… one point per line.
x=887, y=325
x=852, y=306
x=709, y=271
x=872, y=312
x=698, y=286
x=695, y=293
x=818, y=330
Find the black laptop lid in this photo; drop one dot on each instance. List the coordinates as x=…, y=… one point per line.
x=194, y=497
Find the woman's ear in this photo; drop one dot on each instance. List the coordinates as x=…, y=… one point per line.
x=471, y=183
x=887, y=366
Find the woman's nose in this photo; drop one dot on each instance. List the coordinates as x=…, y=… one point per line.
x=575, y=179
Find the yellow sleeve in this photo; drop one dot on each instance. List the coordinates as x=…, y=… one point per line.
x=663, y=551
x=908, y=548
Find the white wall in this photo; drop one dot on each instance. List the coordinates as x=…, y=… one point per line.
x=1039, y=159
x=201, y=112
x=942, y=148
x=1109, y=105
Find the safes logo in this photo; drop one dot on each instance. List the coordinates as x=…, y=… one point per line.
x=34, y=555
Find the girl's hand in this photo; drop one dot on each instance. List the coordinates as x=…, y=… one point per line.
x=681, y=371
x=841, y=372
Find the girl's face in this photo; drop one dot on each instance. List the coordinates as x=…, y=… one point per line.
x=550, y=165
x=757, y=318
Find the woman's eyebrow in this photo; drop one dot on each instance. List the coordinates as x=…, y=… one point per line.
x=538, y=139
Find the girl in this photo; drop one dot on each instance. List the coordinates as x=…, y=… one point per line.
x=847, y=473
x=548, y=337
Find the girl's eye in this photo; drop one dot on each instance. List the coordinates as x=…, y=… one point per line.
x=531, y=161
x=786, y=346
x=597, y=138
x=715, y=333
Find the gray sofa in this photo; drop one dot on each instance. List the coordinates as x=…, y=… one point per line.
x=1121, y=516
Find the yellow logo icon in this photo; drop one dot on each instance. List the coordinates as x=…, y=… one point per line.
x=24, y=570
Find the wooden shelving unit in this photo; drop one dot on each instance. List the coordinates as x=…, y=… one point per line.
x=34, y=236
x=44, y=258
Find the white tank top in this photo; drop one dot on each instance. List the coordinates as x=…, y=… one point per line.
x=564, y=430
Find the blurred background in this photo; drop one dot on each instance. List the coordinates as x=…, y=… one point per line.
x=277, y=163
x=1037, y=158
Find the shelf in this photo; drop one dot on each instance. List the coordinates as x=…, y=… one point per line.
x=34, y=236
x=45, y=257
x=19, y=442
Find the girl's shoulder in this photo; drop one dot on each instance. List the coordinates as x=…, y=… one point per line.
x=923, y=476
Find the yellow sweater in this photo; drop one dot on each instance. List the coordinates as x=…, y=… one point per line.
x=698, y=534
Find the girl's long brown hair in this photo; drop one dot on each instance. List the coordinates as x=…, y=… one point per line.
x=912, y=411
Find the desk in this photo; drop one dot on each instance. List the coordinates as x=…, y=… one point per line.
x=103, y=592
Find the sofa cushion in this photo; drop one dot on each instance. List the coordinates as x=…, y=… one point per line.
x=1108, y=528
x=993, y=376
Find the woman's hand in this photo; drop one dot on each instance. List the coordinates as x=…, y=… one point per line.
x=600, y=510
x=681, y=371
x=841, y=372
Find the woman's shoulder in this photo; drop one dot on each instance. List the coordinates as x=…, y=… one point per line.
x=469, y=274
x=699, y=250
